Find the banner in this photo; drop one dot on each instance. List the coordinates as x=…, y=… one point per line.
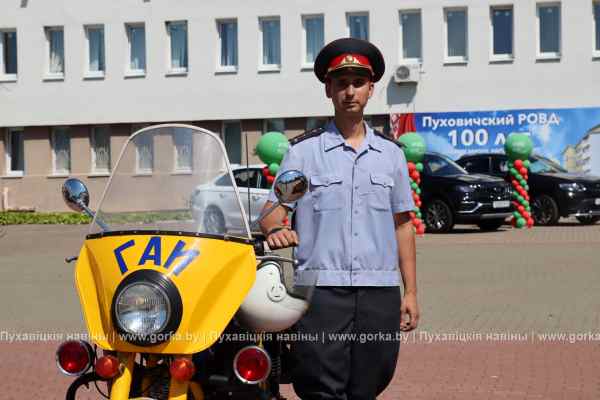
x=569, y=136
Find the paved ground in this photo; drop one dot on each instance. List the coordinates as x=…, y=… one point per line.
x=490, y=303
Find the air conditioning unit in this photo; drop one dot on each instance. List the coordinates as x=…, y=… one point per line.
x=407, y=73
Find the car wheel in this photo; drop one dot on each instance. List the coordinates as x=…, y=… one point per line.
x=588, y=220
x=490, y=224
x=438, y=217
x=545, y=210
x=214, y=221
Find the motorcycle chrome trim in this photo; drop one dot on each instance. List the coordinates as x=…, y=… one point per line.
x=192, y=128
x=90, y=357
x=261, y=350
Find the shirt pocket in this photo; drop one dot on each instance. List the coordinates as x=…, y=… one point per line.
x=380, y=193
x=326, y=192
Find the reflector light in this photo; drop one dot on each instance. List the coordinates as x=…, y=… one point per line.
x=74, y=357
x=107, y=367
x=252, y=365
x=182, y=369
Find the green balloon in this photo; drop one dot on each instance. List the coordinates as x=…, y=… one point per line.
x=414, y=146
x=523, y=182
x=418, y=190
x=273, y=168
x=526, y=186
x=527, y=164
x=272, y=147
x=518, y=146
x=419, y=167
x=517, y=214
x=414, y=185
x=520, y=198
x=521, y=222
x=528, y=208
x=514, y=172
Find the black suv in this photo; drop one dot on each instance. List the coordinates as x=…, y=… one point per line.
x=451, y=195
x=554, y=192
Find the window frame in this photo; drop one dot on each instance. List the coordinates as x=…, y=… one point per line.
x=547, y=55
x=9, y=172
x=48, y=75
x=4, y=77
x=177, y=71
x=55, y=171
x=93, y=167
x=449, y=60
x=177, y=170
x=502, y=57
x=88, y=73
x=262, y=67
x=595, y=28
x=220, y=68
x=266, y=121
x=142, y=171
x=304, y=64
x=134, y=72
x=401, y=57
x=358, y=14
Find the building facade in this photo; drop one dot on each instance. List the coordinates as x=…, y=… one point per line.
x=78, y=77
x=588, y=152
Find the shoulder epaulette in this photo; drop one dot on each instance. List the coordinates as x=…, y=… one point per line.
x=381, y=135
x=306, y=135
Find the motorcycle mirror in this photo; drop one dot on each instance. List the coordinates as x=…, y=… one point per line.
x=75, y=194
x=290, y=186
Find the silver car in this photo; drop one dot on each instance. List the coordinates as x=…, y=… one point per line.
x=214, y=203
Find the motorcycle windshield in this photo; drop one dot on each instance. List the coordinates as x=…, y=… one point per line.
x=172, y=178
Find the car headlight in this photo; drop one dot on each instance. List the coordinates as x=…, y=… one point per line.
x=465, y=188
x=142, y=309
x=146, y=308
x=572, y=187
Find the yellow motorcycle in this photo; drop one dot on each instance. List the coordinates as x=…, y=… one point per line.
x=173, y=309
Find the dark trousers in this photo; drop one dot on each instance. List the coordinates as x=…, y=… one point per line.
x=347, y=344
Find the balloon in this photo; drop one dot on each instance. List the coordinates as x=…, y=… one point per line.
x=530, y=222
x=522, y=171
x=521, y=222
x=526, y=215
x=272, y=147
x=521, y=209
x=413, y=145
x=265, y=171
x=518, y=146
x=513, y=172
x=516, y=214
x=411, y=166
x=513, y=222
x=526, y=163
x=420, y=167
x=421, y=229
x=418, y=191
x=273, y=168
x=518, y=164
x=270, y=179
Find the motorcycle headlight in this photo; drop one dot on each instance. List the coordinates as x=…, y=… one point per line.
x=142, y=309
x=572, y=187
x=146, y=308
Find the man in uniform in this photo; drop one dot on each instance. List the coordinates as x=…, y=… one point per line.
x=353, y=227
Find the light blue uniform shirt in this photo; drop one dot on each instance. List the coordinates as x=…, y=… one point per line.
x=345, y=221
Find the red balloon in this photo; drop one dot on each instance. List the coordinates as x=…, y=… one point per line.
x=530, y=222
x=418, y=203
x=513, y=222
x=414, y=175
x=421, y=229
x=412, y=214
x=270, y=179
x=516, y=204
x=515, y=183
x=521, y=209
x=265, y=171
x=411, y=166
x=523, y=171
x=518, y=164
x=526, y=215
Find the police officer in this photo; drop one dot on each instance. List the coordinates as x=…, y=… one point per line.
x=353, y=226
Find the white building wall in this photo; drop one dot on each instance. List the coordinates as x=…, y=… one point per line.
x=594, y=153
x=573, y=81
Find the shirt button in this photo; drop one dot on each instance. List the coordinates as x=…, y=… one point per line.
x=355, y=233
x=355, y=211
x=356, y=187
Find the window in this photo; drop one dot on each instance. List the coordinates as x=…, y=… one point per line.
x=246, y=178
x=136, y=38
x=100, y=145
x=61, y=151
x=183, y=141
x=313, y=123
x=358, y=25
x=274, y=125
x=499, y=166
x=548, y=19
x=232, y=136
x=8, y=55
x=15, y=152
x=314, y=37
x=95, y=51
x=442, y=166
x=502, y=33
x=410, y=35
x=477, y=165
x=56, y=52
x=456, y=35
x=228, y=45
x=271, y=43
x=597, y=29
x=144, y=154
x=178, y=47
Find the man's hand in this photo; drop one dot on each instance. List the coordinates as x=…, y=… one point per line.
x=282, y=238
x=409, y=312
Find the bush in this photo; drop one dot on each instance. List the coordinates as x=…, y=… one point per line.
x=20, y=217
